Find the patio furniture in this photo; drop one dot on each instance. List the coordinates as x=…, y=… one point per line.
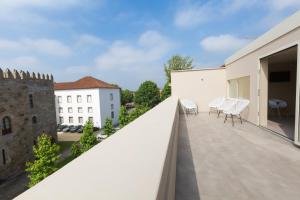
x=214, y=104
x=226, y=105
x=189, y=106
x=277, y=104
x=236, y=110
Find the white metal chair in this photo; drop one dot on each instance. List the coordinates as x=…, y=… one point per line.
x=189, y=106
x=236, y=110
x=226, y=105
x=214, y=104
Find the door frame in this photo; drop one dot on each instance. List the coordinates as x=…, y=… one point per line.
x=259, y=71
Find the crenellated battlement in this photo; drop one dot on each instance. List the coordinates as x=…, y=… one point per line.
x=21, y=75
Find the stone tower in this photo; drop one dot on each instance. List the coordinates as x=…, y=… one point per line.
x=27, y=109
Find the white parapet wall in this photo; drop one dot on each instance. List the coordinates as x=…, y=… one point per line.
x=136, y=163
x=200, y=86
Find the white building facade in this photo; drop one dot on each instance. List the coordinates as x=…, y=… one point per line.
x=86, y=99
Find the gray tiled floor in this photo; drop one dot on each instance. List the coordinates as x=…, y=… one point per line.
x=217, y=161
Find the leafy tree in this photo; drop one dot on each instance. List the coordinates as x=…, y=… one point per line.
x=87, y=140
x=126, y=96
x=123, y=117
x=147, y=95
x=108, y=127
x=177, y=62
x=166, y=91
x=138, y=111
x=46, y=155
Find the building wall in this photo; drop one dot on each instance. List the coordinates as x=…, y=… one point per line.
x=200, y=86
x=95, y=104
x=106, y=102
x=15, y=89
x=249, y=65
x=101, y=105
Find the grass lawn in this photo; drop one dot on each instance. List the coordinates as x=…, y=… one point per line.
x=64, y=145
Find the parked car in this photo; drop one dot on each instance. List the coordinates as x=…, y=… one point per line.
x=80, y=129
x=74, y=129
x=66, y=129
x=96, y=129
x=60, y=127
x=101, y=137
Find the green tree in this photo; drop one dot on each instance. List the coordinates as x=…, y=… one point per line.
x=166, y=91
x=177, y=62
x=147, y=95
x=108, y=127
x=46, y=155
x=123, y=117
x=126, y=97
x=136, y=112
x=87, y=140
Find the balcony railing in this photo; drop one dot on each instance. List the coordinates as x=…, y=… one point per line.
x=137, y=163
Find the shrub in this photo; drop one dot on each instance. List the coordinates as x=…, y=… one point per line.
x=123, y=117
x=87, y=140
x=147, y=95
x=108, y=127
x=46, y=155
x=138, y=111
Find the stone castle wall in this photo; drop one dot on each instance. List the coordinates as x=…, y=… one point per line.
x=28, y=118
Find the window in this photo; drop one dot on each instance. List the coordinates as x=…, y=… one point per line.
x=112, y=114
x=91, y=119
x=89, y=98
x=70, y=110
x=60, y=110
x=61, y=120
x=31, y=100
x=90, y=109
x=6, y=125
x=80, y=120
x=71, y=120
x=79, y=99
x=79, y=109
x=34, y=119
x=112, y=106
x=69, y=99
x=111, y=96
x=59, y=99
x=3, y=157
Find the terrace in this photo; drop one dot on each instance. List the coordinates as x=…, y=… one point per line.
x=167, y=155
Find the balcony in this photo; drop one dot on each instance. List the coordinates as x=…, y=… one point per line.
x=167, y=155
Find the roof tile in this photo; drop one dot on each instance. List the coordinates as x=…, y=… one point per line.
x=87, y=82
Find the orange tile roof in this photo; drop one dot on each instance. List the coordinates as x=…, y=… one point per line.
x=87, y=82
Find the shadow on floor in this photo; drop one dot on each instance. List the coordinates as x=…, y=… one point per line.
x=186, y=182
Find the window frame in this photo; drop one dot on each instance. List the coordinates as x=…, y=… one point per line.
x=87, y=98
x=79, y=97
x=6, y=130
x=69, y=99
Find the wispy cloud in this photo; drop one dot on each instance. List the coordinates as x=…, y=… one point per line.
x=223, y=43
x=41, y=45
x=192, y=13
x=283, y=4
x=87, y=39
x=149, y=49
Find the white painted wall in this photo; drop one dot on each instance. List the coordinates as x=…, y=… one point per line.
x=200, y=86
x=105, y=104
x=101, y=105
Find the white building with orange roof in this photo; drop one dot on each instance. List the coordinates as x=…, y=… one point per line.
x=86, y=99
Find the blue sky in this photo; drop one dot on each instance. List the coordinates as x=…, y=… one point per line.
x=128, y=41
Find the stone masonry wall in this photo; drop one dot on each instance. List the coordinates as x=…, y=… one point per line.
x=15, y=89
